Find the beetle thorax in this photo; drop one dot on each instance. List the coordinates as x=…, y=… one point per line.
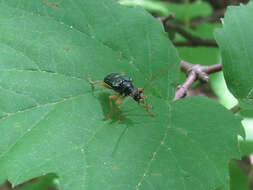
x=127, y=88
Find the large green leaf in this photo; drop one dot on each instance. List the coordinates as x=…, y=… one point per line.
x=235, y=41
x=52, y=120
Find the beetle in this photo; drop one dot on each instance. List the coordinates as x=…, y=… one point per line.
x=122, y=84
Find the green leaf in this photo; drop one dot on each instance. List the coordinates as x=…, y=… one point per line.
x=239, y=180
x=194, y=133
x=205, y=30
x=246, y=147
x=248, y=126
x=240, y=176
x=235, y=41
x=247, y=113
x=219, y=86
x=52, y=119
x=199, y=55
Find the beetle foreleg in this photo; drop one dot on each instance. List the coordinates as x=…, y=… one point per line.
x=114, y=96
x=147, y=109
x=140, y=89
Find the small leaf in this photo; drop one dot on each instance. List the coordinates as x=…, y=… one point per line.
x=235, y=41
x=43, y=183
x=239, y=180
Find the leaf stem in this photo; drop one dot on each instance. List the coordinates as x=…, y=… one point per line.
x=235, y=109
x=192, y=40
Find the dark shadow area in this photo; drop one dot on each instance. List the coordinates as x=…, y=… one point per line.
x=112, y=110
x=48, y=182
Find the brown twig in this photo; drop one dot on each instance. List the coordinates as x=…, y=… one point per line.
x=235, y=109
x=246, y=164
x=194, y=72
x=164, y=20
x=192, y=40
x=6, y=186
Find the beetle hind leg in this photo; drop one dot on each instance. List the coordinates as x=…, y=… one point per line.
x=118, y=101
x=120, y=111
x=101, y=83
x=109, y=115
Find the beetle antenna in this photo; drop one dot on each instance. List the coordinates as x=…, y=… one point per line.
x=156, y=75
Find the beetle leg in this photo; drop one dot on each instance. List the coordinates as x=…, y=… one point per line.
x=120, y=100
x=144, y=103
x=120, y=114
x=147, y=109
x=114, y=96
x=140, y=90
x=120, y=111
x=109, y=115
x=101, y=83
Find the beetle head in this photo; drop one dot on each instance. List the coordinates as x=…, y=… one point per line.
x=138, y=95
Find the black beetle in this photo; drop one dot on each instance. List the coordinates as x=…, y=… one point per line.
x=122, y=84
